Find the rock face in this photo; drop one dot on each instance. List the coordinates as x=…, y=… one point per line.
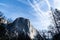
x=20, y=29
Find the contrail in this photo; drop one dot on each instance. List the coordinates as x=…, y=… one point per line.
x=48, y=4
x=35, y=5
x=44, y=16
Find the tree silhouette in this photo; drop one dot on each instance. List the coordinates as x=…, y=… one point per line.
x=55, y=30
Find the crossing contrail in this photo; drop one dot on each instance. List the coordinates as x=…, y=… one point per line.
x=44, y=16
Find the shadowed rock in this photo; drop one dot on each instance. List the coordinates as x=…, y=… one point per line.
x=20, y=29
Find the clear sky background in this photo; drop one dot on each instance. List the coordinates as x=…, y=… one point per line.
x=37, y=11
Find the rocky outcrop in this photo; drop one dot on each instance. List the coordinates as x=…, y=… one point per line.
x=20, y=29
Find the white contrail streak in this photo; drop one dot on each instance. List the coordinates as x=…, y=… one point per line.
x=36, y=7
x=48, y=4
x=44, y=16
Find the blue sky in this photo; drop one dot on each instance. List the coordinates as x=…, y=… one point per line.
x=35, y=10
